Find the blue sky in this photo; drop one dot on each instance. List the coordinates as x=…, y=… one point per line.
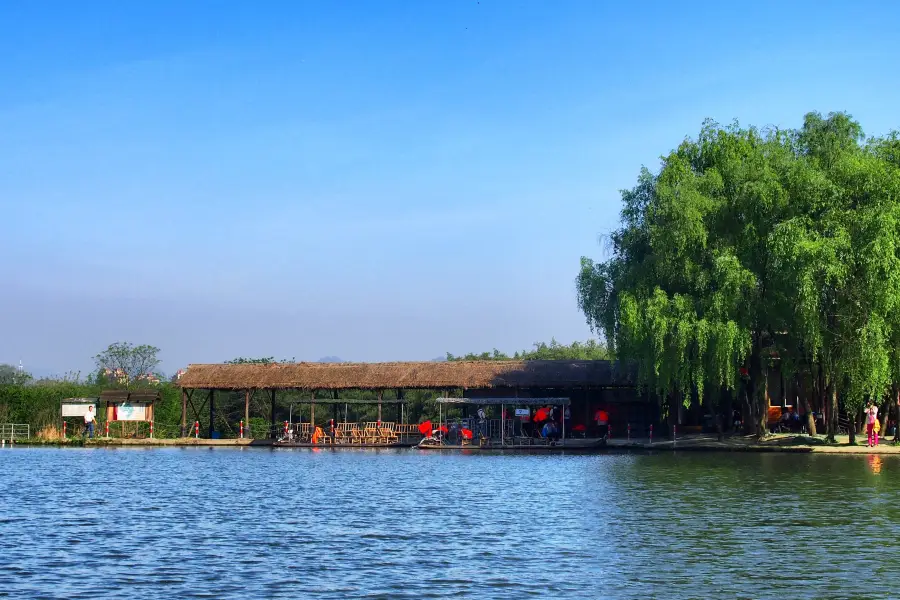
x=374, y=180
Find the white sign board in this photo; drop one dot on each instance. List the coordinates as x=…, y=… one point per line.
x=127, y=411
x=76, y=410
x=522, y=412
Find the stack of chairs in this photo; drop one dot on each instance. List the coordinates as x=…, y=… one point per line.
x=371, y=432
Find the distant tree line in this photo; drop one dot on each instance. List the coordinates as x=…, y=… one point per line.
x=589, y=350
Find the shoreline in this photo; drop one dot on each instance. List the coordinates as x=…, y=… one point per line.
x=779, y=443
x=776, y=443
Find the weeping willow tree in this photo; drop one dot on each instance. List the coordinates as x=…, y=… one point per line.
x=840, y=255
x=684, y=290
x=747, y=244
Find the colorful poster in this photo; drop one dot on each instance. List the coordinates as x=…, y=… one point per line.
x=127, y=411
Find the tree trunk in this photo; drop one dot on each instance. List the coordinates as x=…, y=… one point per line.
x=758, y=383
x=885, y=411
x=761, y=400
x=897, y=422
x=851, y=427
x=714, y=406
x=674, y=408
x=746, y=409
x=807, y=406
x=831, y=394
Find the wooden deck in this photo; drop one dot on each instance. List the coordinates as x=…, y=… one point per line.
x=326, y=446
x=566, y=445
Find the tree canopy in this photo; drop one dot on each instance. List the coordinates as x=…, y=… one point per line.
x=128, y=365
x=749, y=244
x=10, y=375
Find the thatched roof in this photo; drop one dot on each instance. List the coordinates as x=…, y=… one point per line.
x=148, y=396
x=411, y=375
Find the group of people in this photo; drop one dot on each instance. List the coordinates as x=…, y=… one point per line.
x=551, y=421
x=790, y=420
x=873, y=426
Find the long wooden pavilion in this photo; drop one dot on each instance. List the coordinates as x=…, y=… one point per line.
x=588, y=383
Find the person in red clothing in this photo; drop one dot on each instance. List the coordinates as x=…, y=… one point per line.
x=602, y=419
x=871, y=413
x=540, y=417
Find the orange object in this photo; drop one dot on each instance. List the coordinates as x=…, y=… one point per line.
x=467, y=434
x=425, y=428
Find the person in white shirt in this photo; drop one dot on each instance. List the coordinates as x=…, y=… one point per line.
x=482, y=424
x=89, y=421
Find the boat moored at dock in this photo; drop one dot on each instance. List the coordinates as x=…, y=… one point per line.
x=534, y=424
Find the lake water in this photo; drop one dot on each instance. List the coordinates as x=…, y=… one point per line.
x=293, y=523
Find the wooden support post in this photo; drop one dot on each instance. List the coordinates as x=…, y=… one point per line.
x=212, y=412
x=272, y=433
x=563, y=420
x=247, y=410
x=194, y=411
x=587, y=405
x=183, y=414
x=380, y=394
x=400, y=405
x=312, y=412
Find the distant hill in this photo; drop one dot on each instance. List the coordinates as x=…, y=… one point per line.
x=330, y=359
x=439, y=359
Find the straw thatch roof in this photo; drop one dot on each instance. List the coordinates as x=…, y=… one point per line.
x=148, y=396
x=410, y=375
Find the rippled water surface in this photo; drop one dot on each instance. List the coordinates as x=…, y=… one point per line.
x=263, y=523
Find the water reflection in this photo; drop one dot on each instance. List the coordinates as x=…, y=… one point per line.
x=289, y=523
x=875, y=463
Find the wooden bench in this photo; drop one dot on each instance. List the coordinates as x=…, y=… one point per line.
x=386, y=433
x=370, y=432
x=342, y=433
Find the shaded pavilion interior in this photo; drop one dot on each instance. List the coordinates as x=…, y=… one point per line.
x=589, y=384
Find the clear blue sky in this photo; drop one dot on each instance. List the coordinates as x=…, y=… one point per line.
x=374, y=180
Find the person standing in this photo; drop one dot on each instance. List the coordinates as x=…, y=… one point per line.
x=89, y=421
x=602, y=419
x=482, y=422
x=871, y=413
